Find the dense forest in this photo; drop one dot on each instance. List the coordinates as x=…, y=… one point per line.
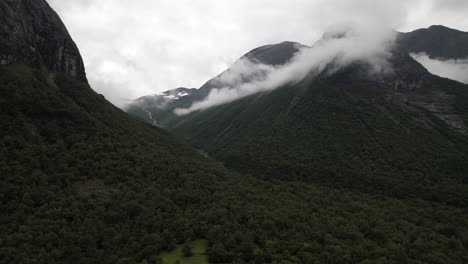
x=83, y=182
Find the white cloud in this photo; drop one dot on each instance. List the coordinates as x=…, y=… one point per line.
x=164, y=44
x=452, y=69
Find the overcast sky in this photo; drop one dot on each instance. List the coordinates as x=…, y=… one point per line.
x=133, y=48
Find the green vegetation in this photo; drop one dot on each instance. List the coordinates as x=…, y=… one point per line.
x=82, y=182
x=198, y=249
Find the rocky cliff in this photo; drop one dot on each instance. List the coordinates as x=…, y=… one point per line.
x=32, y=33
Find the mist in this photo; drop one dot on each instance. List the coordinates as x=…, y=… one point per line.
x=341, y=45
x=453, y=69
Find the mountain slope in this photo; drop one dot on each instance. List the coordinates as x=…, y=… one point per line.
x=85, y=180
x=348, y=132
x=403, y=135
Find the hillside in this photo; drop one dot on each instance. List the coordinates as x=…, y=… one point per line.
x=347, y=132
x=83, y=182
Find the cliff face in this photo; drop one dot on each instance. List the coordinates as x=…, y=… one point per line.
x=33, y=34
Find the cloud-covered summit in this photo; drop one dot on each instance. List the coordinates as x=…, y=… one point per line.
x=340, y=46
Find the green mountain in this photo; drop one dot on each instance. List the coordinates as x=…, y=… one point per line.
x=345, y=131
x=403, y=135
x=83, y=182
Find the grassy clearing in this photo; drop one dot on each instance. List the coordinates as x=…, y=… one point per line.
x=199, y=254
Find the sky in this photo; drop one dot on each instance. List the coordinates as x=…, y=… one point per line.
x=133, y=48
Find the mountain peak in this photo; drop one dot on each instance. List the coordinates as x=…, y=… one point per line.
x=32, y=33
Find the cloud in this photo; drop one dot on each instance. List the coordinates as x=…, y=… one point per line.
x=453, y=69
x=155, y=46
x=340, y=46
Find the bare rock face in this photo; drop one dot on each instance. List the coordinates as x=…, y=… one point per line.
x=33, y=34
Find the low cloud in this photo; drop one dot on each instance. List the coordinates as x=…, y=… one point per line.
x=453, y=69
x=340, y=46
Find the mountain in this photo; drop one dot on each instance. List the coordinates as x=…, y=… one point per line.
x=161, y=107
x=83, y=182
x=438, y=42
x=403, y=135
